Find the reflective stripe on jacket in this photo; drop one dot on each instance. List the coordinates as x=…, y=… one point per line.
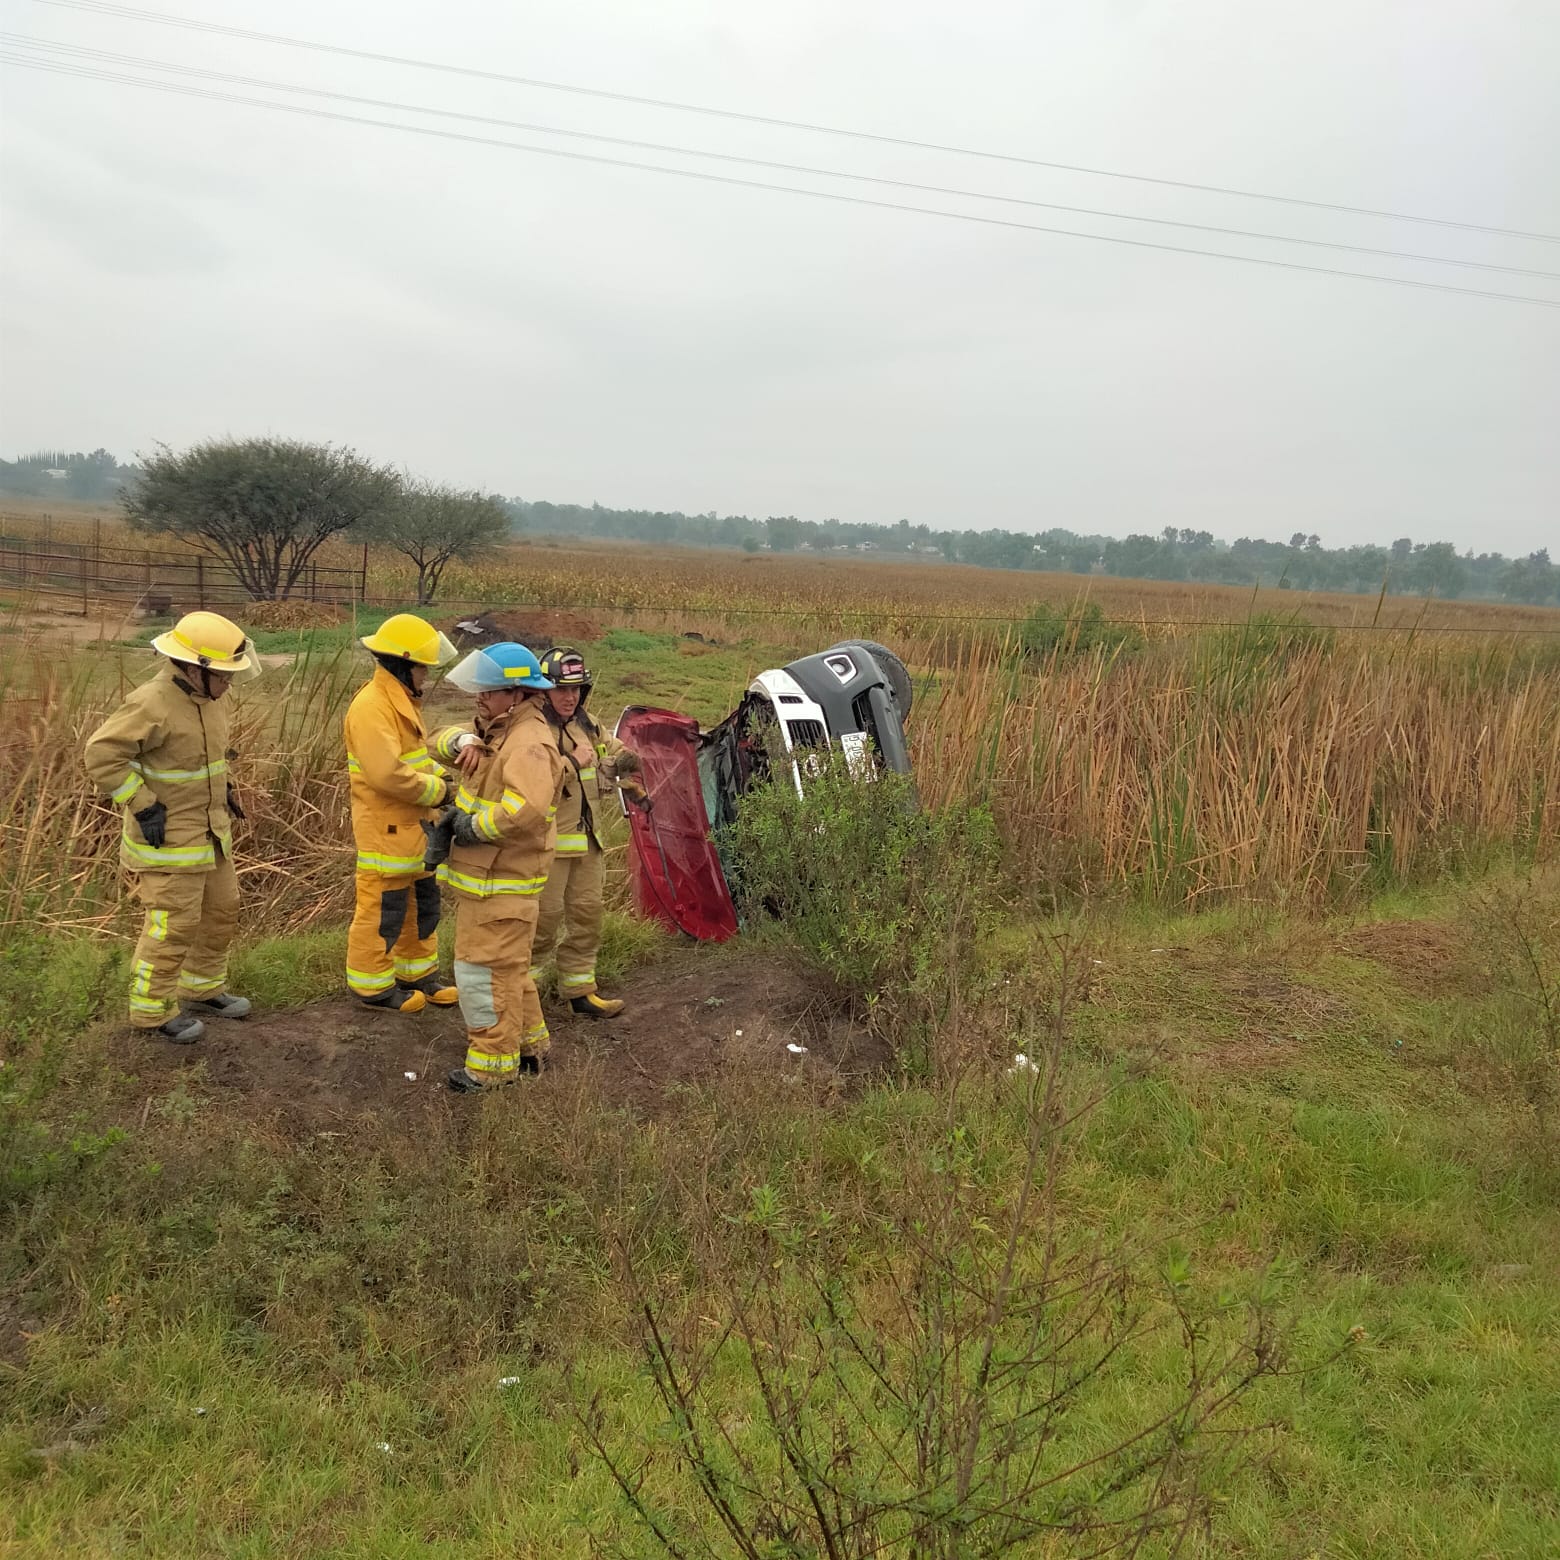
x=169, y=744
x=592, y=782
x=394, y=780
x=512, y=801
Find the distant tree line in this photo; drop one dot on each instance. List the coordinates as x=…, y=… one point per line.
x=1407, y=567
x=72, y=474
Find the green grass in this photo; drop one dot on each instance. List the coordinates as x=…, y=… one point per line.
x=1276, y=1097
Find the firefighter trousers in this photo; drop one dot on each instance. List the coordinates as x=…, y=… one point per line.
x=183, y=947
x=394, y=933
x=571, y=904
x=493, y=976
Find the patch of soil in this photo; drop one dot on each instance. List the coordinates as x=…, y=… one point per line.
x=1421, y=953
x=75, y=628
x=536, y=628
x=687, y=1018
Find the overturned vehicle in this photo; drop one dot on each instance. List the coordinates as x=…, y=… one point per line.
x=852, y=699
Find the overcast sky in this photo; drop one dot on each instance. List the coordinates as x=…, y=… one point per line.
x=175, y=268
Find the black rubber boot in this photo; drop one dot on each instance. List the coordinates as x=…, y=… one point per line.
x=397, y=999
x=531, y=1065
x=182, y=1029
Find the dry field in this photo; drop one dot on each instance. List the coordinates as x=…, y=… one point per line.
x=1230, y=754
x=925, y=603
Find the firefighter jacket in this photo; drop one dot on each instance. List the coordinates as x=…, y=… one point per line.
x=167, y=743
x=512, y=801
x=395, y=781
x=583, y=784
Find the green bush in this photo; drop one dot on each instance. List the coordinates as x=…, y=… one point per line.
x=1266, y=641
x=1079, y=629
x=885, y=898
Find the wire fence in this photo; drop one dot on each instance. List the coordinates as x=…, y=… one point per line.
x=87, y=572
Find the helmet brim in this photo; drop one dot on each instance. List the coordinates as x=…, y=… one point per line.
x=246, y=664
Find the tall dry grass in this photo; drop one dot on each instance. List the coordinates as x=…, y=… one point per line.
x=1272, y=763
x=1302, y=766
x=59, y=836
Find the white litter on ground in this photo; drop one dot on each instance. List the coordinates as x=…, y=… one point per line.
x=509, y=1381
x=411, y=1077
x=1021, y=1063
x=383, y=1446
x=792, y=1047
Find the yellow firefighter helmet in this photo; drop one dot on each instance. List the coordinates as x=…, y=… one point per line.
x=208, y=640
x=408, y=637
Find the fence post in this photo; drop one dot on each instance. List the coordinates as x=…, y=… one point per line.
x=363, y=587
x=83, y=562
x=200, y=581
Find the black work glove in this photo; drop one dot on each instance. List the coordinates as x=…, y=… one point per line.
x=154, y=824
x=464, y=830
x=440, y=833
x=232, y=801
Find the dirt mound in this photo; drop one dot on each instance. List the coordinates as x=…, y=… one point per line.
x=1424, y=953
x=688, y=1018
x=292, y=614
x=537, y=629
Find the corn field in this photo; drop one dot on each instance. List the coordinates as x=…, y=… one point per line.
x=945, y=607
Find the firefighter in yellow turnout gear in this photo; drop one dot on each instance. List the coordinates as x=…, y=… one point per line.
x=392, y=946
x=163, y=757
x=595, y=763
x=501, y=850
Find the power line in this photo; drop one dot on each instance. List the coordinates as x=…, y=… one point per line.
x=85, y=73
x=131, y=13
x=81, y=52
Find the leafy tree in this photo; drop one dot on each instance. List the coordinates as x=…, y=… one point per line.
x=264, y=506
x=785, y=531
x=1439, y=569
x=433, y=525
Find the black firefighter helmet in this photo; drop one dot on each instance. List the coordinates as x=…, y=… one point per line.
x=565, y=667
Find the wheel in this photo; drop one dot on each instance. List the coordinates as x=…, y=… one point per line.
x=893, y=669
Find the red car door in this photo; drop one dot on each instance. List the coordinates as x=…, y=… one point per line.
x=675, y=872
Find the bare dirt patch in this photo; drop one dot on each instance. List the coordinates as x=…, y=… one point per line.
x=536, y=629
x=72, y=628
x=689, y=1018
